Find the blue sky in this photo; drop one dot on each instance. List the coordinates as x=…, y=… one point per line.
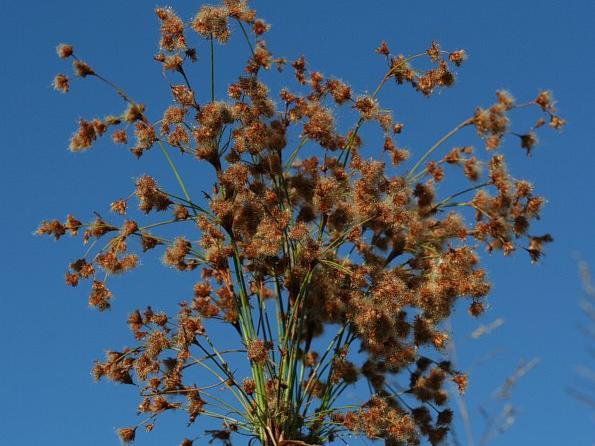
x=50, y=337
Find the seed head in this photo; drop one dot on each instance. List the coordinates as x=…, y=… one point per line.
x=61, y=83
x=82, y=69
x=211, y=22
x=64, y=50
x=127, y=434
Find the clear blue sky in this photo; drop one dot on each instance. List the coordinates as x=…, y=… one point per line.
x=49, y=337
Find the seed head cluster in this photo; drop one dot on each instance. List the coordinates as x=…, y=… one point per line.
x=332, y=261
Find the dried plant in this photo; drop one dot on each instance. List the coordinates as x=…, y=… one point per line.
x=302, y=235
x=584, y=389
x=497, y=410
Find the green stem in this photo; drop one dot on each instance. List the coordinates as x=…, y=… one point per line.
x=190, y=204
x=294, y=154
x=432, y=149
x=246, y=36
x=248, y=334
x=445, y=202
x=175, y=171
x=318, y=371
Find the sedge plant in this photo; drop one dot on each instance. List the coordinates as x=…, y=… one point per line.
x=330, y=268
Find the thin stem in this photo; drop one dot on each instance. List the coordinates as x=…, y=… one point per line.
x=213, y=355
x=160, y=223
x=315, y=373
x=239, y=396
x=432, y=149
x=119, y=91
x=444, y=202
x=229, y=407
x=294, y=154
x=212, y=69
x=185, y=76
x=452, y=355
x=330, y=393
x=246, y=36
x=175, y=171
x=189, y=203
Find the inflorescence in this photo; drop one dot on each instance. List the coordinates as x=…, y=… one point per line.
x=300, y=238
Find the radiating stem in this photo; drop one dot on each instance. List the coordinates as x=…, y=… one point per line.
x=175, y=170
x=432, y=149
x=212, y=69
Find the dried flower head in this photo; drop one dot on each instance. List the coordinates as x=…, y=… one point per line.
x=127, y=434
x=82, y=69
x=61, y=83
x=64, y=50
x=211, y=22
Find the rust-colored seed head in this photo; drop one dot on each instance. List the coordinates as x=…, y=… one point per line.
x=61, y=83
x=127, y=434
x=82, y=69
x=64, y=50
x=257, y=351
